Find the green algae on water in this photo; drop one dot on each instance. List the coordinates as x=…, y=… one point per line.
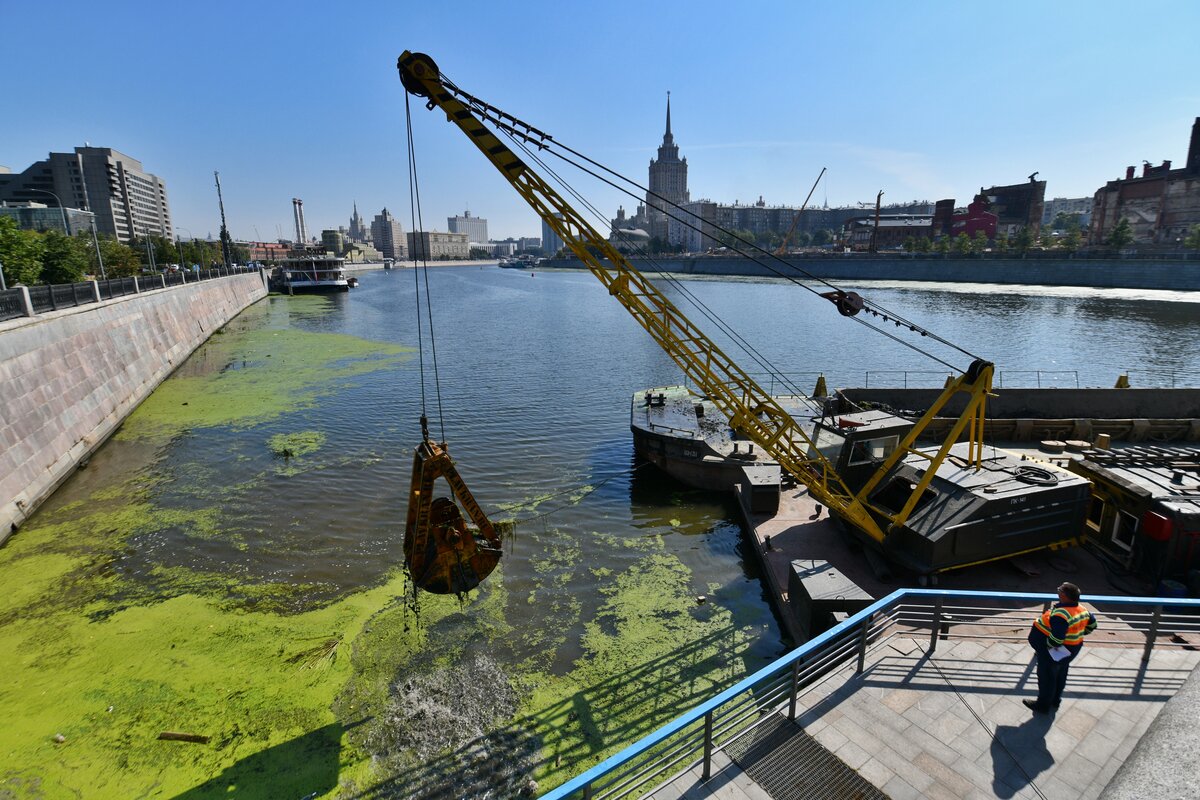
x=256, y=375
x=294, y=445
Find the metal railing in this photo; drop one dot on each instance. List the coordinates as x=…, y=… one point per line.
x=692, y=738
x=65, y=295
x=117, y=287
x=45, y=298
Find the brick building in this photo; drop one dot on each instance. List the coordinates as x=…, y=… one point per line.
x=1161, y=204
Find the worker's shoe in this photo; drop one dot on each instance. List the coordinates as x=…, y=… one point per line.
x=1034, y=707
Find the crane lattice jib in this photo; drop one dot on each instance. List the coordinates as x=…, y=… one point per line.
x=751, y=411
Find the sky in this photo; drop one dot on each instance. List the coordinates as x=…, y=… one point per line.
x=923, y=100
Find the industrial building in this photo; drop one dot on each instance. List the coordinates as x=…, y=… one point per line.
x=1161, y=204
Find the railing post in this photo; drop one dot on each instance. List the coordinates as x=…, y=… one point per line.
x=862, y=645
x=708, y=720
x=26, y=300
x=935, y=626
x=1152, y=634
x=96, y=291
x=795, y=689
x=587, y=791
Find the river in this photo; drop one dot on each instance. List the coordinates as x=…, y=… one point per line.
x=228, y=562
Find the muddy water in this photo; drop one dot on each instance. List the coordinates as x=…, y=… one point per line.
x=227, y=564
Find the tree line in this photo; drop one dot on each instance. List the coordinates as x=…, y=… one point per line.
x=50, y=257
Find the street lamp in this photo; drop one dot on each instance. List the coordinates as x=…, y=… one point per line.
x=61, y=210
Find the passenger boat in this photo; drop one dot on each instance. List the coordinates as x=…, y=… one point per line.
x=311, y=273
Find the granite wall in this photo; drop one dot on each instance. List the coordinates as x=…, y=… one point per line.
x=1140, y=273
x=68, y=378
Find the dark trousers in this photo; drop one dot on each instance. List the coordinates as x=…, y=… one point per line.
x=1052, y=677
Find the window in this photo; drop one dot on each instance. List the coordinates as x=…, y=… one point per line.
x=870, y=450
x=1095, y=513
x=1123, y=529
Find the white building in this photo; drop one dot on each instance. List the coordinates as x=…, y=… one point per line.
x=474, y=227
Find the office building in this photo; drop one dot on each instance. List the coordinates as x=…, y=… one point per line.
x=474, y=227
x=437, y=246
x=41, y=217
x=126, y=200
x=387, y=235
x=551, y=241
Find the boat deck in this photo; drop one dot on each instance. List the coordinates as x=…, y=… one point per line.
x=953, y=726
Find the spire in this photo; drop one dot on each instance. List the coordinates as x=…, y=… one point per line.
x=667, y=137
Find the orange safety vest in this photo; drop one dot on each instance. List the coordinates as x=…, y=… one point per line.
x=1079, y=622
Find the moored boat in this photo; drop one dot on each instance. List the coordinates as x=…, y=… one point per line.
x=311, y=273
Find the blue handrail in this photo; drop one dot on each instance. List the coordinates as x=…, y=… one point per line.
x=582, y=781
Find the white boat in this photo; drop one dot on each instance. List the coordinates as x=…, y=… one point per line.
x=312, y=273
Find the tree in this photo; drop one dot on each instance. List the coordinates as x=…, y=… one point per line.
x=942, y=245
x=120, y=260
x=1047, y=239
x=924, y=245
x=910, y=244
x=979, y=242
x=962, y=244
x=1023, y=241
x=1002, y=242
x=802, y=239
x=20, y=253
x=1121, y=235
x=1193, y=238
x=822, y=237
x=1066, y=222
x=65, y=258
x=1072, y=240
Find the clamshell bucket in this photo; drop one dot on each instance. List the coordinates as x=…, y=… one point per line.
x=442, y=554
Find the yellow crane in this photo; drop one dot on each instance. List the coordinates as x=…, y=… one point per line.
x=882, y=480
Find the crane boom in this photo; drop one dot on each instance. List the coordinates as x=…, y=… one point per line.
x=796, y=219
x=751, y=411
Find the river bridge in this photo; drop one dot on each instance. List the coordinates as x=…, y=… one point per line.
x=919, y=695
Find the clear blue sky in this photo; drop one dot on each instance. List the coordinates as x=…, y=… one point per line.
x=923, y=100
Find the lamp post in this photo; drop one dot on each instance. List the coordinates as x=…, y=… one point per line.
x=61, y=210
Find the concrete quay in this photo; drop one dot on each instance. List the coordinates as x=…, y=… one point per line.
x=70, y=377
x=1177, y=274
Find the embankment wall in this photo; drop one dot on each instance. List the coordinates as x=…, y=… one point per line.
x=1109, y=273
x=70, y=377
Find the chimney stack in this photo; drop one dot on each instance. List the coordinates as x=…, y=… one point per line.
x=1129, y=173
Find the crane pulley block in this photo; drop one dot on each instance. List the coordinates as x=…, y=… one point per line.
x=442, y=554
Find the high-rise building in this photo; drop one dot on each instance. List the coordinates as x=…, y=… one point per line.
x=388, y=236
x=358, y=229
x=474, y=227
x=551, y=241
x=668, y=181
x=127, y=201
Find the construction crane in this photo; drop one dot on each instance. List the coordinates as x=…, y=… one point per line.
x=928, y=509
x=782, y=251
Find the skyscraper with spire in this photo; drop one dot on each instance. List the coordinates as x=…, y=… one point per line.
x=668, y=180
x=358, y=230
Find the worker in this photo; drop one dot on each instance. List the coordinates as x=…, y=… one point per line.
x=1057, y=637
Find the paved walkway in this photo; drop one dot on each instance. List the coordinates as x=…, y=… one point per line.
x=953, y=726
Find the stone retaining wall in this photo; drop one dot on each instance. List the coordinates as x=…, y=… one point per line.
x=1143, y=273
x=70, y=377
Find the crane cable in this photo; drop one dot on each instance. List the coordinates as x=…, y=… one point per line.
x=414, y=199
x=679, y=285
x=544, y=141
x=748, y=348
